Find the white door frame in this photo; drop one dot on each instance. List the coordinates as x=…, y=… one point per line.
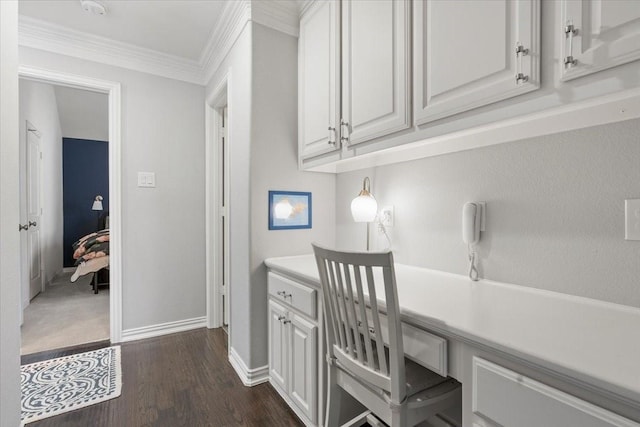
x=213, y=113
x=112, y=89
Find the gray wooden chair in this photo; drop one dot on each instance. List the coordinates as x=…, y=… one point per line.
x=396, y=390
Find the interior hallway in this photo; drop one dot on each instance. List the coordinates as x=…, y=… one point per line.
x=66, y=314
x=177, y=380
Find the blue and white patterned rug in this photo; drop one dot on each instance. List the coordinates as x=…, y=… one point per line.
x=55, y=386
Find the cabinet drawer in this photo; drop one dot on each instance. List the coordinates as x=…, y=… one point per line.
x=422, y=347
x=300, y=297
x=508, y=398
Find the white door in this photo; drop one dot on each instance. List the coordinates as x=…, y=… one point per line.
x=375, y=68
x=278, y=345
x=34, y=211
x=470, y=53
x=597, y=35
x=302, y=365
x=319, y=80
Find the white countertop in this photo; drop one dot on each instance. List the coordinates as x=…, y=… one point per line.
x=594, y=341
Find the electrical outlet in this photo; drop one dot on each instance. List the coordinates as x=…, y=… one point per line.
x=386, y=216
x=632, y=219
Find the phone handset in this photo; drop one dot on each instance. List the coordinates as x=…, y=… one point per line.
x=471, y=216
x=472, y=224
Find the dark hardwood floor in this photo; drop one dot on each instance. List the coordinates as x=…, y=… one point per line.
x=178, y=380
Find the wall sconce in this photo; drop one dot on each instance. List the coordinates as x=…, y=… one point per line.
x=97, y=204
x=364, y=208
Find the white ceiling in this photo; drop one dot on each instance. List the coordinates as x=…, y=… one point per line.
x=176, y=27
x=83, y=114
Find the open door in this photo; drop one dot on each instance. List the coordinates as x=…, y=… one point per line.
x=34, y=211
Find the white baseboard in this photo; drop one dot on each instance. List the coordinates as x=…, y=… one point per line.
x=249, y=377
x=163, y=329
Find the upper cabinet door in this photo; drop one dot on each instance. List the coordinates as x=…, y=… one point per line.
x=318, y=80
x=472, y=53
x=597, y=35
x=375, y=68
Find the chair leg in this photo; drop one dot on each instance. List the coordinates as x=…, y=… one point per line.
x=332, y=418
x=399, y=417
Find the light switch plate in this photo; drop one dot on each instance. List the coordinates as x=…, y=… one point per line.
x=146, y=179
x=632, y=219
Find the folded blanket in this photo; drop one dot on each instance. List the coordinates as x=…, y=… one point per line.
x=90, y=266
x=94, y=245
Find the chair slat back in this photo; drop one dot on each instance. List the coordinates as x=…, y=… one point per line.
x=352, y=316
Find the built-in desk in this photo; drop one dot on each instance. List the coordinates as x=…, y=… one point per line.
x=519, y=352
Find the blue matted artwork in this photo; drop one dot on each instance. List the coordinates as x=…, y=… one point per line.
x=289, y=210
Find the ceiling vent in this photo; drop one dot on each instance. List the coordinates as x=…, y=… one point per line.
x=93, y=7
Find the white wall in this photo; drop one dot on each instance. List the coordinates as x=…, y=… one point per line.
x=163, y=227
x=9, y=218
x=262, y=96
x=274, y=166
x=38, y=106
x=237, y=68
x=83, y=114
x=555, y=214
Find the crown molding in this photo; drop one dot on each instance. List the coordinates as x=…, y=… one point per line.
x=303, y=6
x=234, y=17
x=43, y=35
x=281, y=15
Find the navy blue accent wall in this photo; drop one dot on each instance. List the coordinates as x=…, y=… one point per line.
x=85, y=174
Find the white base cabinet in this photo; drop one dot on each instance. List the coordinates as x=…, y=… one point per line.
x=507, y=398
x=293, y=346
x=502, y=386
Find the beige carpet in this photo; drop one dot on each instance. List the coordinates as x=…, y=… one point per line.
x=66, y=314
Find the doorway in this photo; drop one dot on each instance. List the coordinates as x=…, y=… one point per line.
x=223, y=203
x=67, y=155
x=113, y=92
x=218, y=138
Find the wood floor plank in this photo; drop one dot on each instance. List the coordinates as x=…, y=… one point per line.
x=178, y=380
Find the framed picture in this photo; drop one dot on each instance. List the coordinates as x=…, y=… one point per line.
x=289, y=210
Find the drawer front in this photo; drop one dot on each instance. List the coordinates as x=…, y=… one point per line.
x=508, y=398
x=300, y=297
x=422, y=347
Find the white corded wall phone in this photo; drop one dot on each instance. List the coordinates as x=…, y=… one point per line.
x=471, y=221
x=472, y=224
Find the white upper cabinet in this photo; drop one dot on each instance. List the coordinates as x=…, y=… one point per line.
x=318, y=80
x=375, y=68
x=597, y=35
x=472, y=53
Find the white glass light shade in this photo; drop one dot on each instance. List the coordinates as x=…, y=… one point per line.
x=97, y=204
x=282, y=209
x=364, y=208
